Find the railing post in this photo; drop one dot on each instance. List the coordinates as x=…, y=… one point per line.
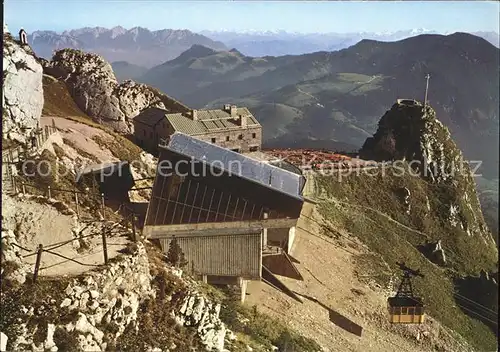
x=50, y=194
x=102, y=203
x=38, y=261
x=24, y=188
x=134, y=235
x=104, y=245
x=77, y=207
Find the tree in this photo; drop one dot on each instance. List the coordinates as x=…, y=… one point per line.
x=175, y=256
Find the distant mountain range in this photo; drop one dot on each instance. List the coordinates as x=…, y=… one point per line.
x=138, y=46
x=340, y=96
x=145, y=48
x=278, y=43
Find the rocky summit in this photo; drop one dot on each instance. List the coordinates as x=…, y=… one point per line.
x=96, y=91
x=411, y=132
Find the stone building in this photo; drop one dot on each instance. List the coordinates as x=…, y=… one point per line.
x=231, y=127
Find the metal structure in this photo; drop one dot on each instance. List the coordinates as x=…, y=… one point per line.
x=205, y=183
x=231, y=255
x=427, y=77
x=405, y=307
x=405, y=287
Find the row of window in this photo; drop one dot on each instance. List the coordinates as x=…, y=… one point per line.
x=240, y=137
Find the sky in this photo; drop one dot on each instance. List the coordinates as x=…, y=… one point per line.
x=291, y=16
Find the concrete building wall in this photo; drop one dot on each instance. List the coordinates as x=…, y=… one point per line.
x=227, y=255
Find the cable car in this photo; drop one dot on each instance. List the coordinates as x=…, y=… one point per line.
x=405, y=308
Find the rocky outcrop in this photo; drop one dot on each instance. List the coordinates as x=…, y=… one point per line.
x=13, y=268
x=22, y=94
x=95, y=89
x=96, y=301
x=412, y=133
x=434, y=251
x=3, y=342
x=405, y=198
x=95, y=309
x=196, y=311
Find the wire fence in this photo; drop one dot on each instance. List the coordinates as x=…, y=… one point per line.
x=103, y=214
x=128, y=222
x=14, y=155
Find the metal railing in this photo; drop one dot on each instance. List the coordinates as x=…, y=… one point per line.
x=106, y=231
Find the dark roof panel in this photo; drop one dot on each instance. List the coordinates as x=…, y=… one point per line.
x=237, y=164
x=151, y=116
x=209, y=121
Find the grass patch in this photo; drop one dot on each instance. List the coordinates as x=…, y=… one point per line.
x=382, y=193
x=262, y=329
x=121, y=148
x=155, y=325
x=45, y=297
x=80, y=151
x=58, y=101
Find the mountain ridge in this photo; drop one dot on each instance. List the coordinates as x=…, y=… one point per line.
x=463, y=85
x=136, y=45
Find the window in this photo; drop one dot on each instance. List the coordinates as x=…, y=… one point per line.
x=240, y=136
x=254, y=135
x=254, y=149
x=227, y=138
x=213, y=140
x=404, y=310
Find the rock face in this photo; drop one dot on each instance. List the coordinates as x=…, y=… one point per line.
x=22, y=98
x=96, y=91
x=434, y=252
x=412, y=133
x=13, y=268
x=197, y=312
x=101, y=298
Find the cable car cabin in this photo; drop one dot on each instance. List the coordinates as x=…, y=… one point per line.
x=405, y=310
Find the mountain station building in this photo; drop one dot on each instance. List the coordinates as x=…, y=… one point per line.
x=229, y=213
x=231, y=127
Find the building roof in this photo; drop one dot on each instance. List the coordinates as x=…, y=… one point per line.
x=236, y=164
x=106, y=168
x=273, y=160
x=210, y=121
x=151, y=116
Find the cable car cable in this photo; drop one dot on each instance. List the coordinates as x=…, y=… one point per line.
x=480, y=305
x=482, y=316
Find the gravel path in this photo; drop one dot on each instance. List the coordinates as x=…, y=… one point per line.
x=36, y=223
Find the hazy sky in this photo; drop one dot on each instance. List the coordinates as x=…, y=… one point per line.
x=304, y=16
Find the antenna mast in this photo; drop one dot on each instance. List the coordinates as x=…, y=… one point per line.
x=427, y=76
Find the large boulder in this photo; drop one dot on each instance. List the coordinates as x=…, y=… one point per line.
x=22, y=98
x=96, y=91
